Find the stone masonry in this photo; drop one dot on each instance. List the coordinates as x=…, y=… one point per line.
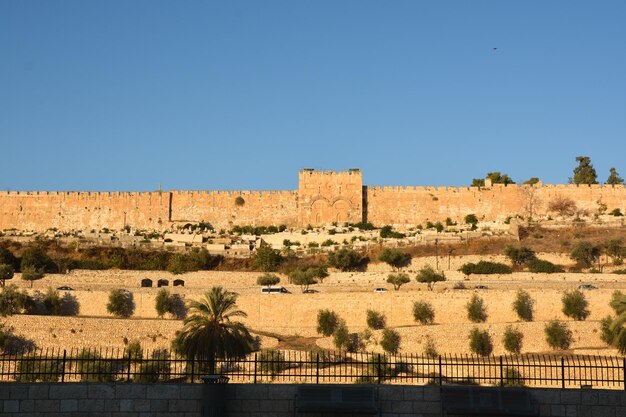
x=249, y=400
x=322, y=198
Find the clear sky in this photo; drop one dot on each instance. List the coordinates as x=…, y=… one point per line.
x=127, y=95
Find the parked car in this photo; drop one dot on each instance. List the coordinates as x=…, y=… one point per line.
x=481, y=287
x=65, y=288
x=380, y=289
x=310, y=291
x=587, y=287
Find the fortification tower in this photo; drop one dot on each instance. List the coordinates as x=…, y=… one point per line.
x=328, y=196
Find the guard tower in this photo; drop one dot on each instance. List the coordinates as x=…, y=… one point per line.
x=327, y=196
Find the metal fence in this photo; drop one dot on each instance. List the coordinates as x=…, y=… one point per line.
x=58, y=365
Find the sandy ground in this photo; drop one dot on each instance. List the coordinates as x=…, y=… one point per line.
x=350, y=295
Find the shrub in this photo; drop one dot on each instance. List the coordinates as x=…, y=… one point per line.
x=575, y=305
x=519, y=255
x=472, y=220
x=512, y=378
x=605, y=330
x=375, y=320
x=524, y=305
x=346, y=259
x=563, y=206
x=34, y=368
x=11, y=301
x=546, y=267
x=398, y=280
x=395, y=258
x=153, y=371
x=512, y=340
x=616, y=212
x=92, y=368
x=423, y=312
x=341, y=336
x=390, y=341
x=430, y=350
x=121, y=303
x=558, y=335
x=52, y=302
x=585, y=254
x=327, y=322
x=476, y=312
x=485, y=267
x=480, y=342
x=271, y=361
x=239, y=201
x=387, y=232
x=134, y=350
x=69, y=305
x=428, y=275
x=162, y=302
x=267, y=280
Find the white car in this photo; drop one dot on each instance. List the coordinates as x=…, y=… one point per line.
x=380, y=289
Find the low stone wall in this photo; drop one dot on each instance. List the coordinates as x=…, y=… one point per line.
x=247, y=400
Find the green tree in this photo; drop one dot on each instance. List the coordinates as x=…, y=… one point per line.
x=512, y=340
x=390, y=341
x=162, y=302
x=472, y=220
x=614, y=178
x=327, y=322
x=121, y=303
x=35, y=257
x=524, y=305
x=615, y=332
x=495, y=177
x=423, y=312
x=519, y=255
x=558, y=335
x=480, y=342
x=375, y=320
x=209, y=332
x=585, y=254
x=398, y=280
x=575, y=305
x=429, y=276
x=267, y=280
x=6, y=273
x=395, y=258
x=266, y=259
x=11, y=301
x=30, y=273
x=584, y=173
x=53, y=302
x=341, y=336
x=476, y=311
x=613, y=248
x=303, y=278
x=543, y=266
x=532, y=181
x=345, y=259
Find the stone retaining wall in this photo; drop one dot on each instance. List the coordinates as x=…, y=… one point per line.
x=247, y=400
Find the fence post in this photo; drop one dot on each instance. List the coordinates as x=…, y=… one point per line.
x=501, y=373
x=317, y=368
x=193, y=363
x=63, y=366
x=440, y=372
x=255, y=362
x=624, y=367
x=128, y=370
x=379, y=376
x=562, y=372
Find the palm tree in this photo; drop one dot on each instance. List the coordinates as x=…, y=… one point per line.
x=617, y=328
x=208, y=332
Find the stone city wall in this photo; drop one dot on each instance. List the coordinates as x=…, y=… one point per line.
x=249, y=400
x=322, y=198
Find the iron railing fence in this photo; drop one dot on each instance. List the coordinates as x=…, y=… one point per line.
x=322, y=367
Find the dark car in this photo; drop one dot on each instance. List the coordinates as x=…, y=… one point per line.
x=310, y=291
x=65, y=288
x=481, y=287
x=587, y=287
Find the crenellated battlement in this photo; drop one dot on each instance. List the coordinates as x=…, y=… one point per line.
x=322, y=197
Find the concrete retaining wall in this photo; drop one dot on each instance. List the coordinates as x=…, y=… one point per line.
x=247, y=400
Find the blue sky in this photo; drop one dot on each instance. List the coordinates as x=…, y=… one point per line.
x=127, y=95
